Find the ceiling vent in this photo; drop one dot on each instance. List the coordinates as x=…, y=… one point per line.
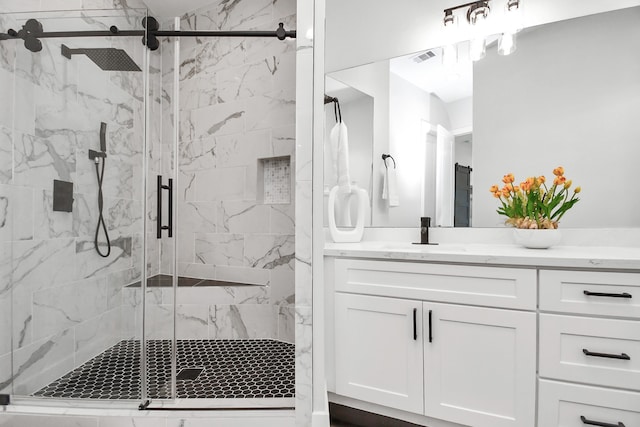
x=421, y=57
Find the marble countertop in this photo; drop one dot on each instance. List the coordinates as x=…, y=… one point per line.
x=584, y=257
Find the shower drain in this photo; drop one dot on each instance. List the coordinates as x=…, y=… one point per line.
x=189, y=374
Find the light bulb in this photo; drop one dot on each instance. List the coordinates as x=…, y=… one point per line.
x=507, y=44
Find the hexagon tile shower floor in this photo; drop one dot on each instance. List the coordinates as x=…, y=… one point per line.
x=229, y=369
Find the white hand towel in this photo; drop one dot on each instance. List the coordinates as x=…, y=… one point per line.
x=340, y=151
x=390, y=187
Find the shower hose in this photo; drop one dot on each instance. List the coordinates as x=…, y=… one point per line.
x=101, y=223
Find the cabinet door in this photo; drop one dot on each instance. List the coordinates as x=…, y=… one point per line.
x=379, y=350
x=480, y=365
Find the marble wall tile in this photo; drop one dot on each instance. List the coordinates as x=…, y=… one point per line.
x=6, y=89
x=50, y=224
x=59, y=308
x=220, y=184
x=38, y=161
x=6, y=154
x=219, y=53
x=243, y=149
x=43, y=263
x=219, y=249
x=282, y=218
x=241, y=274
x=201, y=271
x=242, y=217
x=286, y=328
x=16, y=213
x=95, y=335
x=6, y=321
x=269, y=111
x=245, y=81
x=21, y=314
x=246, y=321
x=198, y=217
x=303, y=266
x=219, y=119
x=269, y=251
x=283, y=141
x=5, y=373
x=41, y=362
x=199, y=154
x=304, y=365
x=282, y=285
x=89, y=264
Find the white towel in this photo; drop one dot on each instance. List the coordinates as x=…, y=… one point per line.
x=340, y=151
x=390, y=187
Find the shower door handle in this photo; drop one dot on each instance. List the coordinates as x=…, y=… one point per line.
x=169, y=226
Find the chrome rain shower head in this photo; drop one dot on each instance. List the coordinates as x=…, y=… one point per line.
x=108, y=58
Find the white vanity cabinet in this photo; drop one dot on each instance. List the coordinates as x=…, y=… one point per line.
x=589, y=334
x=451, y=342
x=379, y=350
x=479, y=365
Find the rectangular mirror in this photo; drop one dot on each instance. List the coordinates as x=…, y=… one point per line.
x=568, y=96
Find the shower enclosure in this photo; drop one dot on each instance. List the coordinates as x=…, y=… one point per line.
x=146, y=210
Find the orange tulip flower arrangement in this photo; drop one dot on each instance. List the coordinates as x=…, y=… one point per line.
x=532, y=204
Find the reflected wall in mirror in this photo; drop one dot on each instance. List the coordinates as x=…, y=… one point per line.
x=569, y=95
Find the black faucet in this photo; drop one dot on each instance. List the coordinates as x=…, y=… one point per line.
x=425, y=223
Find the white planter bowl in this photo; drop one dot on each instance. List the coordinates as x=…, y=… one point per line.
x=536, y=239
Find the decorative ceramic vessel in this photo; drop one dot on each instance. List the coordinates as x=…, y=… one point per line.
x=536, y=239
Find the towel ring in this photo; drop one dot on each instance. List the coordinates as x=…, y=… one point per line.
x=388, y=156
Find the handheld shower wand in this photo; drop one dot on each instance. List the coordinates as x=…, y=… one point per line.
x=96, y=156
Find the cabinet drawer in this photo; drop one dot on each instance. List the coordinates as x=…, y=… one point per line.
x=587, y=292
x=589, y=350
x=564, y=405
x=485, y=286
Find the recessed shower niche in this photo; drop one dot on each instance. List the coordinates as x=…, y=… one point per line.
x=274, y=180
x=216, y=296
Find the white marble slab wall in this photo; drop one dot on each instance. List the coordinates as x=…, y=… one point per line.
x=66, y=301
x=237, y=105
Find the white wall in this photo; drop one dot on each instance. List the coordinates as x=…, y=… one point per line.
x=579, y=110
x=409, y=108
x=359, y=32
x=461, y=115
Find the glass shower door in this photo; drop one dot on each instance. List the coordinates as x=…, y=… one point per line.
x=72, y=249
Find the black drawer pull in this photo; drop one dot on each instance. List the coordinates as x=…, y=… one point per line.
x=604, y=294
x=598, y=423
x=622, y=356
x=415, y=326
x=430, y=329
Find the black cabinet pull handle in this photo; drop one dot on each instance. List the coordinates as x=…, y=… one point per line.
x=622, y=356
x=430, y=328
x=415, y=324
x=598, y=423
x=159, y=225
x=605, y=294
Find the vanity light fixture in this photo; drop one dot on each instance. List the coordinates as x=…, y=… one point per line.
x=450, y=49
x=477, y=13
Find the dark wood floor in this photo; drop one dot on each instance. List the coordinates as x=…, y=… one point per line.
x=344, y=416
